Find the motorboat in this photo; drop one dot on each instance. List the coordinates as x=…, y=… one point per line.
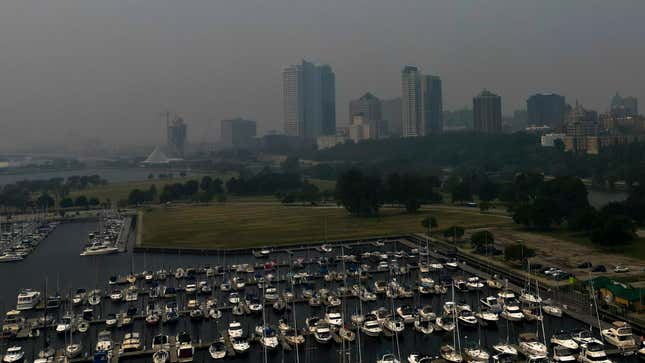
x=73, y=350
x=11, y=257
x=235, y=329
x=334, y=319
x=476, y=354
x=564, y=339
x=269, y=338
x=505, y=295
x=47, y=356
x=530, y=346
x=427, y=312
x=530, y=298
x=160, y=342
x=423, y=326
x=505, y=349
x=217, y=350
x=161, y=356
x=64, y=325
x=450, y=354
x=584, y=336
x=104, y=342
x=240, y=345
x=185, y=348
x=116, y=295
x=371, y=326
x=552, y=310
x=79, y=296
x=563, y=354
x=511, y=311
x=406, y=313
x=473, y=283
x=131, y=342
x=595, y=353
x=322, y=332
x=131, y=294
x=388, y=358
x=394, y=324
x=346, y=334
x=449, y=308
x=14, y=354
x=445, y=323
x=487, y=316
x=619, y=335
x=27, y=299
x=292, y=336
x=13, y=322
x=467, y=318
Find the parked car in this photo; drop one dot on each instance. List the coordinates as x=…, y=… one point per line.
x=585, y=265
x=621, y=268
x=599, y=268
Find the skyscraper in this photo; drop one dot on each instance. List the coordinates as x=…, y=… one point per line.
x=487, y=112
x=624, y=106
x=176, y=134
x=309, y=100
x=421, y=103
x=546, y=109
x=411, y=124
x=238, y=133
x=368, y=105
x=432, y=104
x=391, y=111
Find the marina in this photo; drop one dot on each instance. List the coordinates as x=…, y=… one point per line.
x=359, y=300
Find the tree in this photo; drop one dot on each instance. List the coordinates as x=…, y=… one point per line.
x=309, y=193
x=616, y=230
x=191, y=187
x=291, y=165
x=81, y=201
x=484, y=206
x=66, y=203
x=461, y=193
x=584, y=219
x=488, y=191
x=429, y=222
x=151, y=176
x=455, y=232
x=182, y=174
x=45, y=201
x=361, y=195
x=93, y=202
x=136, y=197
x=482, y=239
x=206, y=183
x=518, y=252
x=558, y=144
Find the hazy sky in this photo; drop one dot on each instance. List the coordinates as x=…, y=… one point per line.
x=107, y=68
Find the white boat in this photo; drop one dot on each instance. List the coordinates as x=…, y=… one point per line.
x=505, y=294
x=269, y=338
x=564, y=339
x=563, y=354
x=406, y=313
x=160, y=342
x=505, y=349
x=131, y=342
x=450, y=354
x=619, y=335
x=473, y=283
x=334, y=319
x=322, y=333
x=116, y=295
x=530, y=298
x=419, y=358
x=217, y=350
x=394, y=325
x=511, y=311
x=73, y=350
x=10, y=257
x=235, y=329
x=240, y=345
x=476, y=354
x=27, y=299
x=487, y=316
x=595, y=353
x=423, y=326
x=371, y=326
x=185, y=349
x=584, y=336
x=530, y=346
x=427, y=312
x=445, y=323
x=467, y=318
x=388, y=358
x=552, y=310
x=99, y=249
x=14, y=355
x=161, y=356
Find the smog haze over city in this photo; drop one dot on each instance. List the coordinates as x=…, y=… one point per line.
x=72, y=70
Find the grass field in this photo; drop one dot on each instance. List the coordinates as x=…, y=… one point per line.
x=238, y=225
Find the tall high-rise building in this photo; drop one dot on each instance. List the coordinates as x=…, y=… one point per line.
x=309, y=100
x=421, y=103
x=176, y=134
x=624, y=106
x=238, y=133
x=546, y=109
x=411, y=124
x=391, y=112
x=432, y=104
x=487, y=112
x=368, y=105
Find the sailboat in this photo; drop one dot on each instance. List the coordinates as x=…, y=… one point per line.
x=451, y=353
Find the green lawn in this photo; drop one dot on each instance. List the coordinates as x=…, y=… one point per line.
x=235, y=225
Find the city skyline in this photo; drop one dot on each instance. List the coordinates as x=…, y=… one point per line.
x=106, y=70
